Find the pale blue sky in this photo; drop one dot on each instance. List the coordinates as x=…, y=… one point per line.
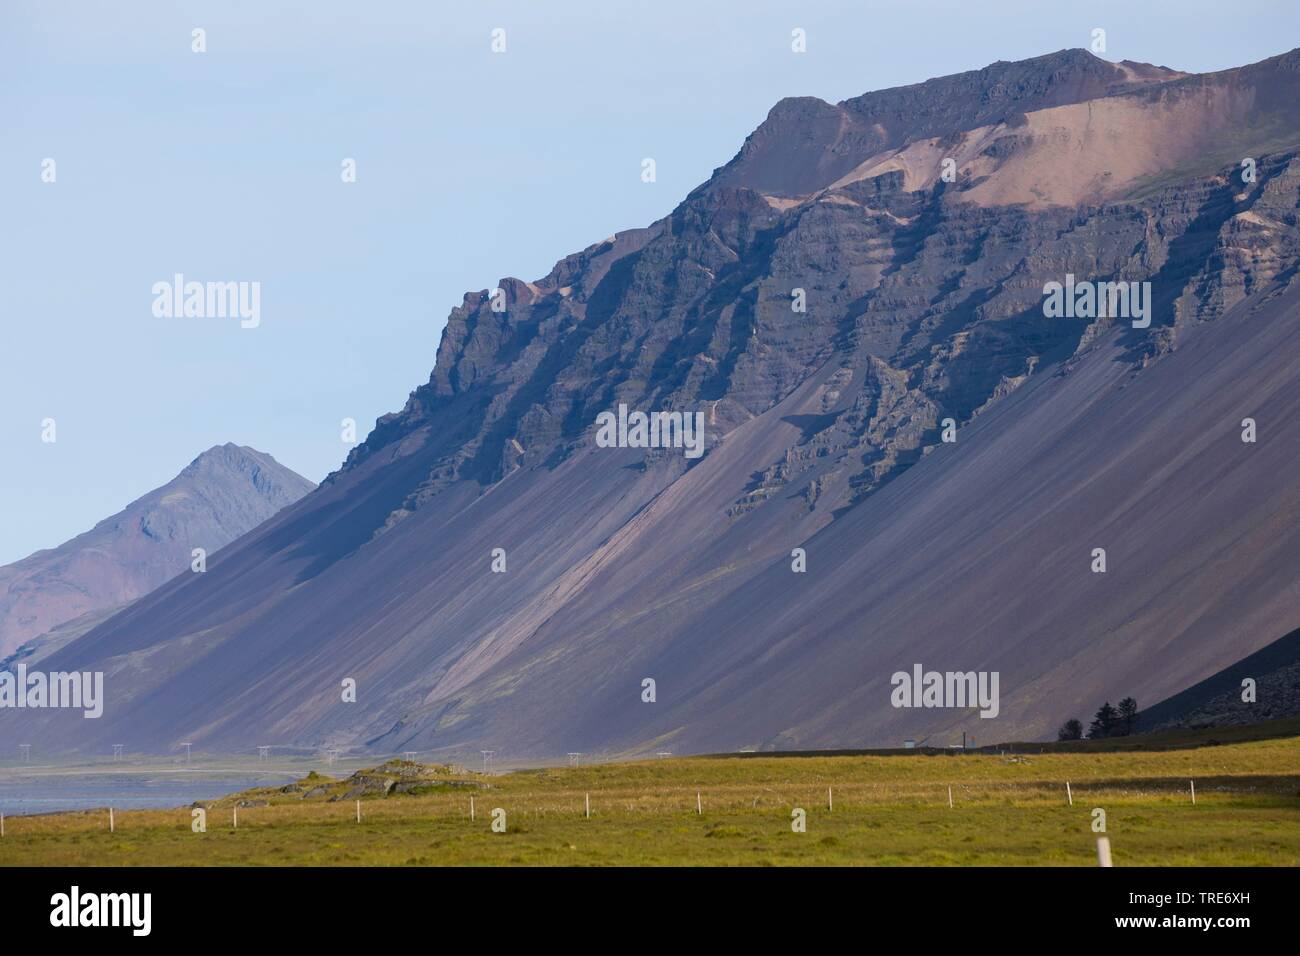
x=472, y=166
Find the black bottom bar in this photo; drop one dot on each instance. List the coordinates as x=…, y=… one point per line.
x=261, y=906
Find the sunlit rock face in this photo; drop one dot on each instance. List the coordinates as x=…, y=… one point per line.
x=854, y=305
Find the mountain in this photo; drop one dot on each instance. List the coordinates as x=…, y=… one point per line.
x=492, y=577
x=225, y=492
x=31, y=652
x=1223, y=698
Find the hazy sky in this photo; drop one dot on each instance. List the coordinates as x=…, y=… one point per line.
x=471, y=166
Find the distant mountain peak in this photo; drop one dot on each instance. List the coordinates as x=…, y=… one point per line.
x=224, y=492
x=231, y=454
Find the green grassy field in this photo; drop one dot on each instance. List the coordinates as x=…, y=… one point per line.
x=887, y=810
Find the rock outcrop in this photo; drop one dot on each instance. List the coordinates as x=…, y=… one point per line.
x=830, y=302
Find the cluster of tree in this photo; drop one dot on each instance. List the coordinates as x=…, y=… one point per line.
x=1108, y=722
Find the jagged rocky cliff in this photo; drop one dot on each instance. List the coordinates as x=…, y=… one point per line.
x=827, y=300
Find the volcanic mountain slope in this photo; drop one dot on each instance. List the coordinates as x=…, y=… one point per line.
x=223, y=493
x=923, y=302
x=1226, y=698
x=32, y=652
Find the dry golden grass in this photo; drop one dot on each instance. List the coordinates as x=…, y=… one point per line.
x=887, y=810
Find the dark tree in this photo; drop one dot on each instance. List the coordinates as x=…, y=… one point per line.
x=1128, y=713
x=1072, y=729
x=1103, y=724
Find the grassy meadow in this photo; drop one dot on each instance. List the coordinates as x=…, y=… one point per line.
x=887, y=810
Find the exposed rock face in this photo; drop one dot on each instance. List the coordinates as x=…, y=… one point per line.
x=924, y=302
x=806, y=144
x=928, y=304
x=223, y=493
